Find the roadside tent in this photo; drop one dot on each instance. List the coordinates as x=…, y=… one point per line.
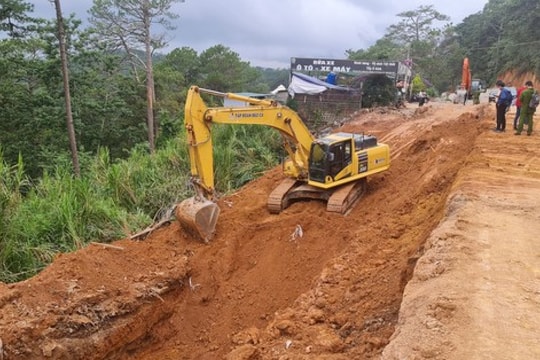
x=280, y=94
x=280, y=88
x=308, y=85
x=321, y=104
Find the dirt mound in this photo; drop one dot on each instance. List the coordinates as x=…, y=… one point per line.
x=259, y=290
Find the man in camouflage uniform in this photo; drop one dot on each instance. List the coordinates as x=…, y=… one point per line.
x=527, y=113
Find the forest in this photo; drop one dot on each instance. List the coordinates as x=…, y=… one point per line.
x=91, y=140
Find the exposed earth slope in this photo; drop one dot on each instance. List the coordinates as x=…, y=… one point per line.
x=460, y=203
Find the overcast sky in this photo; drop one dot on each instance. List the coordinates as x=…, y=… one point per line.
x=268, y=33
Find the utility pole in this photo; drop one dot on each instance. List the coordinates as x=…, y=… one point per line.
x=67, y=93
x=410, y=64
x=150, y=88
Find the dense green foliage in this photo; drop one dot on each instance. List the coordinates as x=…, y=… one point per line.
x=503, y=37
x=108, y=95
x=44, y=209
x=378, y=90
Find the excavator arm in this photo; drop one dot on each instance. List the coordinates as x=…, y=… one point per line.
x=199, y=118
x=466, y=75
x=466, y=78
x=199, y=214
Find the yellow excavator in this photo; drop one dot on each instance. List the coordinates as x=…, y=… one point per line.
x=333, y=168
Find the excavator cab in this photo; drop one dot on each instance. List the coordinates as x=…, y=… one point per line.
x=327, y=160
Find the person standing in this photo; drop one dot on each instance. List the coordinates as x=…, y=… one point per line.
x=527, y=113
x=461, y=95
x=422, y=98
x=518, y=105
x=399, y=96
x=504, y=100
x=476, y=97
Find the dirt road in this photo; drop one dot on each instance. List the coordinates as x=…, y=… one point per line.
x=459, y=203
x=475, y=293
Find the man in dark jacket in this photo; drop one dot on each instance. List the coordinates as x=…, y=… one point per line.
x=504, y=100
x=527, y=113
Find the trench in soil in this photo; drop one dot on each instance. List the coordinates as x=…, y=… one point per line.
x=335, y=290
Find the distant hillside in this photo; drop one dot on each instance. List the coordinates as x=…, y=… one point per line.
x=512, y=79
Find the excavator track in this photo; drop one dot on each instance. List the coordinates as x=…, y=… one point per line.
x=278, y=200
x=338, y=200
x=342, y=200
x=290, y=190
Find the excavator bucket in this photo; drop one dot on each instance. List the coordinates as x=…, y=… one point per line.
x=198, y=217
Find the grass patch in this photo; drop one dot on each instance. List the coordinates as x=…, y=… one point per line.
x=113, y=199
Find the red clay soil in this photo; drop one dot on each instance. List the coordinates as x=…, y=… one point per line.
x=257, y=291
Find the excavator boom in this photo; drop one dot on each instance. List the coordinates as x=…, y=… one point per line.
x=470, y=85
x=466, y=77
